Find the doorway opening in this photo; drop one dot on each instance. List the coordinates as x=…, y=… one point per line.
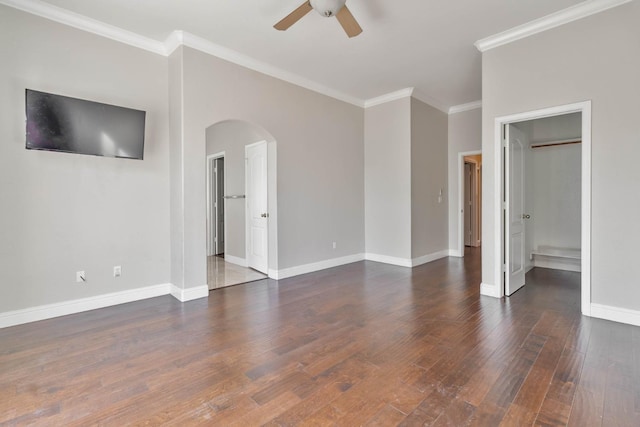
x=241, y=204
x=215, y=205
x=469, y=200
x=543, y=167
x=472, y=196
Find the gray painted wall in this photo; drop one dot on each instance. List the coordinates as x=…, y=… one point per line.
x=387, y=181
x=67, y=212
x=595, y=59
x=320, y=160
x=428, y=176
x=465, y=135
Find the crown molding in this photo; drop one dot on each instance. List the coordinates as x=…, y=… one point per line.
x=465, y=107
x=183, y=38
x=175, y=39
x=570, y=14
x=435, y=103
x=81, y=22
x=388, y=97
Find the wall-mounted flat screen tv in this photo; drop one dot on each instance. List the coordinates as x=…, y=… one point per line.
x=70, y=125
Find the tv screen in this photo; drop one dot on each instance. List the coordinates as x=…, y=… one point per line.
x=70, y=125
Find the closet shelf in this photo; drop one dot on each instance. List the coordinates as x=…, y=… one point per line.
x=551, y=251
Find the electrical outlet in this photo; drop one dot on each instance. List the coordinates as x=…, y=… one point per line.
x=334, y=245
x=117, y=271
x=80, y=277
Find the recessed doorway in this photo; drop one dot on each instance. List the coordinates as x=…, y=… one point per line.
x=515, y=253
x=241, y=203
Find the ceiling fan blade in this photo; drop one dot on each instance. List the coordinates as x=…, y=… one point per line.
x=294, y=16
x=348, y=22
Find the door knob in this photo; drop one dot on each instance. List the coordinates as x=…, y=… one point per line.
x=526, y=216
x=264, y=215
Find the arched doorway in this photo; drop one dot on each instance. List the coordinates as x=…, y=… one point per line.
x=241, y=203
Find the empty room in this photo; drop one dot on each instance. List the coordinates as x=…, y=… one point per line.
x=326, y=212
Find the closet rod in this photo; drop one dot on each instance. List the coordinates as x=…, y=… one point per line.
x=554, y=143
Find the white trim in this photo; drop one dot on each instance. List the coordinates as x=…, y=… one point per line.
x=314, y=266
x=208, y=210
x=490, y=290
x=465, y=107
x=210, y=220
x=385, y=259
x=179, y=38
x=388, y=97
x=555, y=263
x=189, y=294
x=176, y=38
x=615, y=314
x=570, y=14
x=183, y=38
x=461, y=156
x=429, y=100
x=242, y=262
x=429, y=258
x=48, y=311
x=579, y=107
x=456, y=253
x=84, y=23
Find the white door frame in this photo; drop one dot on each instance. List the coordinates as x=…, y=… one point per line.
x=461, y=156
x=247, y=217
x=210, y=214
x=579, y=107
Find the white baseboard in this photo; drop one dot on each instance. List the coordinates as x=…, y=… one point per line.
x=48, y=311
x=429, y=257
x=407, y=262
x=242, y=262
x=385, y=259
x=489, y=290
x=188, y=294
x=557, y=264
x=615, y=314
x=456, y=253
x=314, y=266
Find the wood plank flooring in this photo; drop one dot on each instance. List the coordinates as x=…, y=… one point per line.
x=363, y=344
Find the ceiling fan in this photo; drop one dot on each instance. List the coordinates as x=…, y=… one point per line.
x=326, y=8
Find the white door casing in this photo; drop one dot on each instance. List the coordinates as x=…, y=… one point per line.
x=211, y=198
x=516, y=143
x=219, y=206
x=257, y=213
x=496, y=187
x=467, y=204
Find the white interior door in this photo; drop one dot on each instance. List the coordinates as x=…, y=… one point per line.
x=516, y=142
x=257, y=209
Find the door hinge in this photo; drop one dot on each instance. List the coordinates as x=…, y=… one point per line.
x=504, y=268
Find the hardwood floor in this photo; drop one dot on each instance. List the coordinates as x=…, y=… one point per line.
x=362, y=344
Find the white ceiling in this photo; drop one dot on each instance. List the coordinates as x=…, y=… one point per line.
x=425, y=44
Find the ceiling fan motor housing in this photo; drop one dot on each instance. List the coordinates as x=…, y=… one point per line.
x=327, y=8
